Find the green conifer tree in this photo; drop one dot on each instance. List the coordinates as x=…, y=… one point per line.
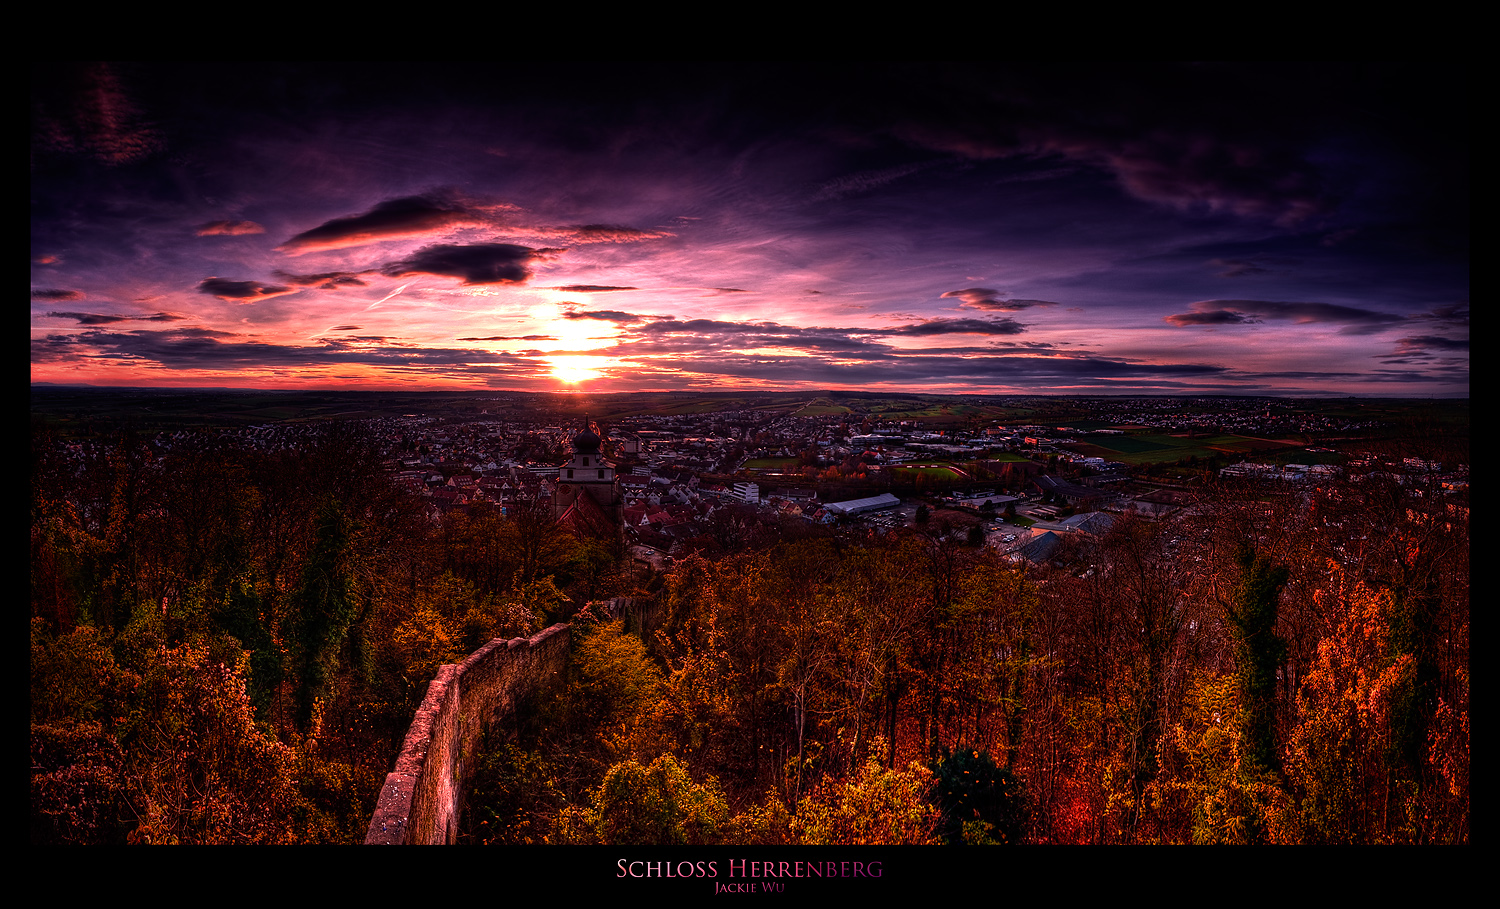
x=1259, y=653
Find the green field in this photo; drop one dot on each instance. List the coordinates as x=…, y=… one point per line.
x=1241, y=444
x=821, y=410
x=1131, y=444
x=1153, y=448
x=769, y=463
x=819, y=407
x=1303, y=456
x=943, y=473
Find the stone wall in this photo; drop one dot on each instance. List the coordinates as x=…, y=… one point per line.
x=423, y=796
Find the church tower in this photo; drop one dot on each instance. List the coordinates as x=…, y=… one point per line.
x=587, y=474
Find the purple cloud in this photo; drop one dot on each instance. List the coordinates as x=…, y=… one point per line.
x=610, y=315
x=242, y=291
x=512, y=338
x=412, y=216
x=94, y=318
x=1226, y=312
x=206, y=349
x=1428, y=343
x=44, y=293
x=987, y=298
x=479, y=263
x=960, y=326
x=331, y=280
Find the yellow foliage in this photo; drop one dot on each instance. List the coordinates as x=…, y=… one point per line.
x=880, y=807
x=656, y=805
x=424, y=642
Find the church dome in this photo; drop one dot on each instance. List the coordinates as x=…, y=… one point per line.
x=586, y=441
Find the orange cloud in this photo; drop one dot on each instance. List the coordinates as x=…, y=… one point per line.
x=229, y=229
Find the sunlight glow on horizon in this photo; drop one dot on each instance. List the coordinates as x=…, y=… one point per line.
x=573, y=369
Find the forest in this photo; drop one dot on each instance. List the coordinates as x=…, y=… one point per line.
x=227, y=646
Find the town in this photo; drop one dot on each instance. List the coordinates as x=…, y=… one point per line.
x=702, y=473
x=819, y=594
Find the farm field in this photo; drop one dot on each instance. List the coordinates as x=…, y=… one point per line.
x=1134, y=444
x=1151, y=448
x=936, y=414
x=819, y=407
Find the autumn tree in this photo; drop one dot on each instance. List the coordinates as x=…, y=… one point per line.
x=202, y=771
x=876, y=807
x=1347, y=757
x=159, y=746
x=79, y=694
x=614, y=680
x=533, y=543
x=653, y=805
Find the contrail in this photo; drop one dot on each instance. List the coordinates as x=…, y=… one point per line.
x=387, y=296
x=373, y=305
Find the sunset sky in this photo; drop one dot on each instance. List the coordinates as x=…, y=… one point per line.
x=1062, y=228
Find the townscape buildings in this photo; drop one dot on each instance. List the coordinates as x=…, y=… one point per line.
x=668, y=485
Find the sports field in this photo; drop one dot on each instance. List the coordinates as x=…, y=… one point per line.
x=769, y=463
x=931, y=470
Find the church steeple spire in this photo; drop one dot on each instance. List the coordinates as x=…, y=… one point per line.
x=587, y=440
x=587, y=474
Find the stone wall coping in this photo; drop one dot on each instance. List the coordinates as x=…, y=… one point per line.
x=419, y=799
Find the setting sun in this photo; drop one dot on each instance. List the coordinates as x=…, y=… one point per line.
x=572, y=369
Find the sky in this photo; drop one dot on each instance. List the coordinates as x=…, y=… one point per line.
x=1120, y=229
